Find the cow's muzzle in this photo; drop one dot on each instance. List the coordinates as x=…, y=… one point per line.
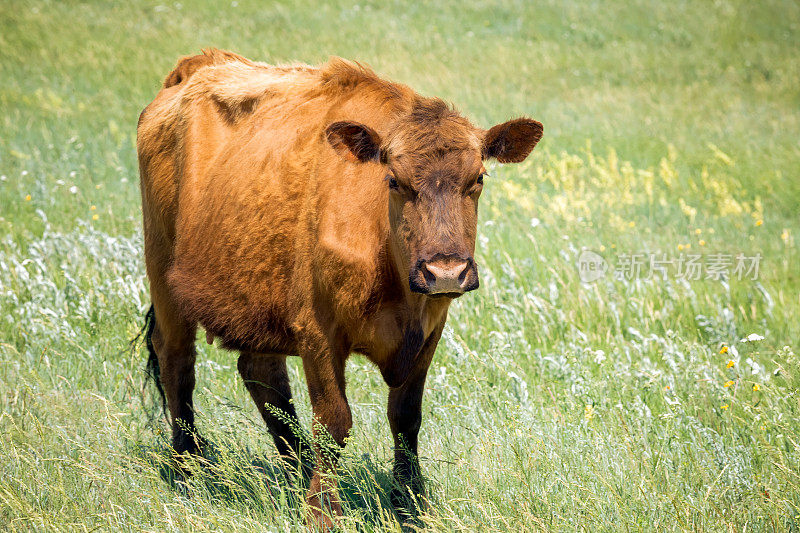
x=444, y=275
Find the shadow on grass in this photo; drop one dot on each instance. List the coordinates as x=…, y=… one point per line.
x=244, y=478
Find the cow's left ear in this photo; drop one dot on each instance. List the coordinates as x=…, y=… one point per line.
x=512, y=141
x=354, y=141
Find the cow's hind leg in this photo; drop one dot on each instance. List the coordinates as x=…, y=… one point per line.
x=267, y=380
x=173, y=341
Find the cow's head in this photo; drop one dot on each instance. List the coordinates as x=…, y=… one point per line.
x=433, y=160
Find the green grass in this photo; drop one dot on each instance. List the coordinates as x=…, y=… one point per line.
x=551, y=404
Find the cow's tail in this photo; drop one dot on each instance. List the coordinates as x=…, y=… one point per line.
x=188, y=65
x=152, y=369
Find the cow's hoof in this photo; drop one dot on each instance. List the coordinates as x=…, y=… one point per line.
x=409, y=507
x=318, y=519
x=189, y=444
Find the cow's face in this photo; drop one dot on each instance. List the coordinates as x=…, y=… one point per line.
x=434, y=174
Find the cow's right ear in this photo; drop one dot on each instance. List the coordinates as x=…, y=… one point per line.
x=354, y=141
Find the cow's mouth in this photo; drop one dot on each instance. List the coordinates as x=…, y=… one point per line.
x=445, y=295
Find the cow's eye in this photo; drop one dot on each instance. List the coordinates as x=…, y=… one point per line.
x=480, y=178
x=392, y=182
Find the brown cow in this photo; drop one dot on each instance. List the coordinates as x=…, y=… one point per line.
x=310, y=211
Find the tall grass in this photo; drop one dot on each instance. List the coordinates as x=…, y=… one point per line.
x=552, y=404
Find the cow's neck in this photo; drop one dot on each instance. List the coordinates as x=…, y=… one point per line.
x=420, y=312
x=415, y=317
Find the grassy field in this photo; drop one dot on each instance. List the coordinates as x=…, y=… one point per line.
x=628, y=404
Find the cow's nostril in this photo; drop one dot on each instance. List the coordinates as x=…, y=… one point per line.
x=430, y=277
x=463, y=276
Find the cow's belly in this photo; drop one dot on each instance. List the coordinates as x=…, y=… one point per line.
x=244, y=316
x=234, y=258
x=234, y=281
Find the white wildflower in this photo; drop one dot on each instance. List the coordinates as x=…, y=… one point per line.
x=599, y=356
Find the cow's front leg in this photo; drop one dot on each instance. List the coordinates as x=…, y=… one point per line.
x=324, y=370
x=405, y=417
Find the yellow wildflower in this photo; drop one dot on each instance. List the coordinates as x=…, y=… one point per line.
x=588, y=412
x=688, y=246
x=93, y=208
x=730, y=363
x=95, y=217
x=667, y=388
x=724, y=406
x=680, y=247
x=631, y=224
x=729, y=384
x=785, y=235
x=756, y=387
x=28, y=198
x=724, y=350
x=759, y=222
x=702, y=242
x=698, y=231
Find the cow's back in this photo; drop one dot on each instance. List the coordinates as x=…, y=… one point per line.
x=204, y=103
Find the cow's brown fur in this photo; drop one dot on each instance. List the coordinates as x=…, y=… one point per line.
x=291, y=210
